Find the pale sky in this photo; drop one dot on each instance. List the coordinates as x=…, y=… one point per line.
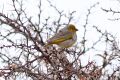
x=97, y=17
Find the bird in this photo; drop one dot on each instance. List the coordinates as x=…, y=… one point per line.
x=65, y=38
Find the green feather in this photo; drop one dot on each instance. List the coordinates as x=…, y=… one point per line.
x=59, y=40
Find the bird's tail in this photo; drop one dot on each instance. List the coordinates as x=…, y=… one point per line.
x=47, y=45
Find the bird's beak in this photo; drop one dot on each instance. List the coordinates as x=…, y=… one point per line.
x=76, y=29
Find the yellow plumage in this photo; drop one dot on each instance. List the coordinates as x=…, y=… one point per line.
x=65, y=38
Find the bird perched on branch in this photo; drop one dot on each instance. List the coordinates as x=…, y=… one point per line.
x=65, y=38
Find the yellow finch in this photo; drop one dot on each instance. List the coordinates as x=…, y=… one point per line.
x=65, y=38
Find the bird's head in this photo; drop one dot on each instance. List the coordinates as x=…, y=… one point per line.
x=72, y=28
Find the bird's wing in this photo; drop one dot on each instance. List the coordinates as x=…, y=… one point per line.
x=60, y=37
